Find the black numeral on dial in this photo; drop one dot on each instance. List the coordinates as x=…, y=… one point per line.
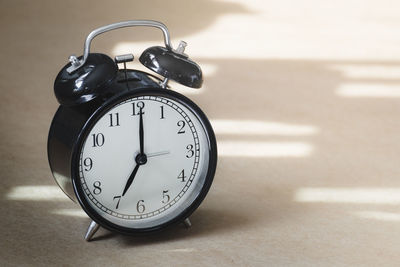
x=162, y=112
x=137, y=108
x=88, y=163
x=118, y=200
x=140, y=206
x=165, y=196
x=190, y=151
x=182, y=175
x=98, y=139
x=181, y=124
x=114, y=119
x=97, y=188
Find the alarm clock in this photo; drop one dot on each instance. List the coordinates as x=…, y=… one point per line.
x=137, y=156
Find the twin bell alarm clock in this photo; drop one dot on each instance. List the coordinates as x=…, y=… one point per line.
x=137, y=156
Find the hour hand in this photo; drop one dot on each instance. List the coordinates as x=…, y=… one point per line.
x=130, y=179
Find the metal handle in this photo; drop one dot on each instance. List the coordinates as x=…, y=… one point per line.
x=76, y=64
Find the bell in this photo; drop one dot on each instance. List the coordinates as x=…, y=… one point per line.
x=174, y=65
x=86, y=83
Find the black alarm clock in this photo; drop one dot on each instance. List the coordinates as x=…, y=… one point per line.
x=137, y=156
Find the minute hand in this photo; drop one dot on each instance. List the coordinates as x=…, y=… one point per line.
x=141, y=133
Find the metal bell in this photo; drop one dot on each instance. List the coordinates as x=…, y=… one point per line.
x=86, y=83
x=174, y=65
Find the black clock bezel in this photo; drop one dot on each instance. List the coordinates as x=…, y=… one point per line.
x=98, y=113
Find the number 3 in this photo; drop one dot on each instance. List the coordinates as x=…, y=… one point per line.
x=190, y=151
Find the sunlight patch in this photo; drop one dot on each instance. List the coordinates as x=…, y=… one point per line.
x=379, y=216
x=254, y=127
x=368, y=71
x=263, y=149
x=388, y=196
x=37, y=193
x=70, y=212
x=368, y=90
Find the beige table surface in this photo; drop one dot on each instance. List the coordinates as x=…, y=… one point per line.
x=304, y=99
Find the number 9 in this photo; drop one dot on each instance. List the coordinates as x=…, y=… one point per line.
x=88, y=162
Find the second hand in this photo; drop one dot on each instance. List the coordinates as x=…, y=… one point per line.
x=155, y=154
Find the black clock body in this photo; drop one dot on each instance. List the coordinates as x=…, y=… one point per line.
x=73, y=121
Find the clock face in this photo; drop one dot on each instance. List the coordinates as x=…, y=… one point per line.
x=144, y=162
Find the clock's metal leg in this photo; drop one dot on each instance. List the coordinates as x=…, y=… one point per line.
x=187, y=223
x=93, y=227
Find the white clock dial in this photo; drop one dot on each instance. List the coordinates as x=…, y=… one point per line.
x=177, y=149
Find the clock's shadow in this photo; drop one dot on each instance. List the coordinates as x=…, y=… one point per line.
x=205, y=221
